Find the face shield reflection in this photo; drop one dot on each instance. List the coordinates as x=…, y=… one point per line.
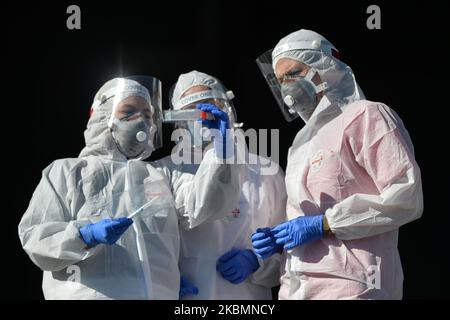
x=264, y=63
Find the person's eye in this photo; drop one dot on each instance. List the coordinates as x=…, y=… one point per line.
x=126, y=115
x=293, y=74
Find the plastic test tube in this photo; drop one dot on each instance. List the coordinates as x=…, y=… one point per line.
x=185, y=115
x=131, y=216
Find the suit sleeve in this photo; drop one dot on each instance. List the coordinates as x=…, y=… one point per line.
x=268, y=274
x=383, y=148
x=47, y=231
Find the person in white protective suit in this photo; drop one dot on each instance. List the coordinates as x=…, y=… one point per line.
x=351, y=178
x=216, y=257
x=105, y=225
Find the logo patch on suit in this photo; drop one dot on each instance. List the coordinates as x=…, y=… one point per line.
x=236, y=213
x=317, y=161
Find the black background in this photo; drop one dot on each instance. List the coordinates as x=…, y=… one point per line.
x=52, y=74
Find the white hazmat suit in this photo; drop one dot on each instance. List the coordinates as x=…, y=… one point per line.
x=262, y=202
x=103, y=183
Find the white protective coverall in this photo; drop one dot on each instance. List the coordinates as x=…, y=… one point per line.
x=262, y=203
x=102, y=183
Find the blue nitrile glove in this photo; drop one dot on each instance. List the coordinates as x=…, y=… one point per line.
x=298, y=231
x=237, y=265
x=221, y=123
x=106, y=231
x=186, y=288
x=264, y=245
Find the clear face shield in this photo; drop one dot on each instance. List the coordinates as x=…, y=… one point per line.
x=153, y=86
x=264, y=63
x=136, y=119
x=185, y=115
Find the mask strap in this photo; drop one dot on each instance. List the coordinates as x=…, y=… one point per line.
x=311, y=73
x=320, y=87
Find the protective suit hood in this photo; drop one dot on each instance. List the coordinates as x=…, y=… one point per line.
x=342, y=87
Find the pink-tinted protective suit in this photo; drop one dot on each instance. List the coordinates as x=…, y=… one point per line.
x=356, y=165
